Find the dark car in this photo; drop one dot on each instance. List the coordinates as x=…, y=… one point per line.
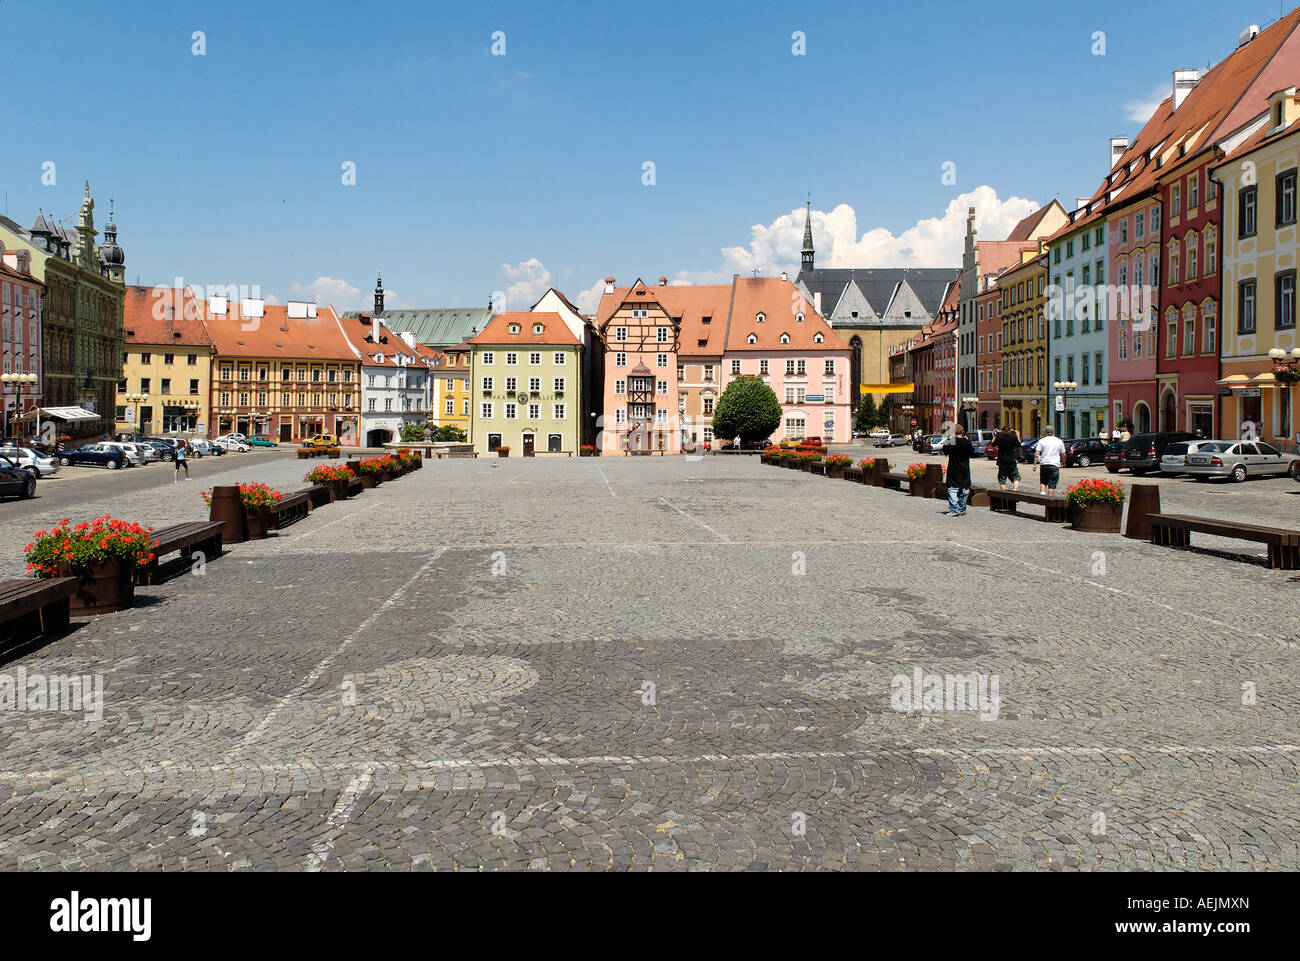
x=165, y=450
x=94, y=456
x=1143, y=451
x=1085, y=452
x=16, y=481
x=1026, y=453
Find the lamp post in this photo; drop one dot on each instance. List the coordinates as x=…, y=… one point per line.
x=1065, y=388
x=1286, y=368
x=968, y=404
x=20, y=381
x=134, y=401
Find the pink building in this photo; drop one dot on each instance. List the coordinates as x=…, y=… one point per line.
x=1134, y=263
x=20, y=333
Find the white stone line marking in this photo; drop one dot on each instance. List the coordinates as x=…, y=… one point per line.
x=338, y=818
x=1126, y=591
x=694, y=520
x=606, y=480
x=389, y=765
x=338, y=520
x=311, y=679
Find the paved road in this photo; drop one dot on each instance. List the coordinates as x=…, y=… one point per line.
x=649, y=663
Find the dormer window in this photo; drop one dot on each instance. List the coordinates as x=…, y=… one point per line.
x=817, y=338
x=752, y=339
x=761, y=317
x=785, y=338
x=514, y=328
x=537, y=329
x=798, y=318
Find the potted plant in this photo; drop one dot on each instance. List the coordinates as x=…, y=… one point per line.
x=258, y=499
x=1095, y=506
x=371, y=472
x=835, y=465
x=916, y=480
x=503, y=451
x=587, y=450
x=807, y=459
x=335, y=477
x=390, y=468
x=102, y=554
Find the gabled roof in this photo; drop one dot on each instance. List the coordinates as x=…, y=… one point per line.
x=275, y=334
x=437, y=327
x=686, y=304
x=555, y=332
x=159, y=316
x=1024, y=231
x=391, y=345
x=780, y=303
x=879, y=286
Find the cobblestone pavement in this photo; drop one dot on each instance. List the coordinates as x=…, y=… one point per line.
x=614, y=663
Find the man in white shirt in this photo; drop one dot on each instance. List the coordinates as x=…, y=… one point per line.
x=1048, y=455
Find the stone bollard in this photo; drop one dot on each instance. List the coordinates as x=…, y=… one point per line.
x=1143, y=499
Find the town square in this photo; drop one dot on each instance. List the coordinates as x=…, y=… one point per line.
x=517, y=438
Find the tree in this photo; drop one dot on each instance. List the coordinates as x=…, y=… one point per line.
x=747, y=409
x=868, y=415
x=449, y=433
x=414, y=432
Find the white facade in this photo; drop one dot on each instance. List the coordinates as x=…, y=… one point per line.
x=397, y=388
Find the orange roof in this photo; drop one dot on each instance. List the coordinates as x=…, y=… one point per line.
x=779, y=301
x=275, y=334
x=555, y=332
x=164, y=315
x=360, y=332
x=1231, y=94
x=687, y=304
x=1024, y=230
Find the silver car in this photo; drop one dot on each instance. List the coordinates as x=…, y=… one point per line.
x=1174, y=459
x=32, y=460
x=1238, y=459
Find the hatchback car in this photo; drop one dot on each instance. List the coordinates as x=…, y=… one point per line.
x=1239, y=460
x=1085, y=452
x=1143, y=451
x=94, y=455
x=16, y=481
x=261, y=442
x=32, y=460
x=329, y=440
x=1174, y=460
x=1027, y=447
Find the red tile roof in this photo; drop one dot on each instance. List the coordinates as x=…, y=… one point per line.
x=275, y=334
x=160, y=316
x=779, y=301
x=1024, y=231
x=687, y=304
x=555, y=331
x=359, y=331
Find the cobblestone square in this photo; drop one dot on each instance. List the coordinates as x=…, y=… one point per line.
x=656, y=663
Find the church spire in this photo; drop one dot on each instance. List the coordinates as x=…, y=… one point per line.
x=379, y=295
x=806, y=258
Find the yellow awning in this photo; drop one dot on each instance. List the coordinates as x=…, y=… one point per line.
x=886, y=388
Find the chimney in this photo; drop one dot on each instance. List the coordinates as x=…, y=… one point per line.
x=1184, y=82
x=609, y=285
x=784, y=275
x=817, y=301
x=1118, y=146
x=374, y=330
x=663, y=281
x=1247, y=35
x=409, y=338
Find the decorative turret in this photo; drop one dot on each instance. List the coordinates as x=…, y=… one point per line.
x=86, y=255
x=379, y=295
x=806, y=257
x=110, y=252
x=42, y=233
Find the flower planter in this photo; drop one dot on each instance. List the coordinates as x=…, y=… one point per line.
x=1096, y=518
x=503, y=453
x=339, y=491
x=385, y=475
x=105, y=587
x=368, y=480
x=917, y=488
x=834, y=471
x=806, y=466
x=259, y=522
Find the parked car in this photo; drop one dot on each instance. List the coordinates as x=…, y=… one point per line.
x=134, y=457
x=204, y=448
x=1115, y=456
x=933, y=443
x=32, y=460
x=94, y=455
x=1027, y=447
x=980, y=438
x=1239, y=460
x=879, y=432
x=262, y=442
x=892, y=440
x=1174, y=460
x=15, y=480
x=231, y=445
x=329, y=440
x=1085, y=452
x=1143, y=451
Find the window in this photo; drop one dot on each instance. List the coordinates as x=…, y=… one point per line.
x=1173, y=263
x=762, y=367
x=512, y=384
x=735, y=366
x=512, y=358
x=1175, y=201
x=800, y=366
x=535, y=383
x=1192, y=249
x=559, y=412
x=558, y=359
x=1139, y=225
x=559, y=385
x=465, y=408
x=752, y=339
x=1286, y=198
x=794, y=427
x=620, y=359
x=194, y=385
x=620, y=387
x=785, y=338
x=489, y=358
x=534, y=411
x=487, y=383
x=1189, y=332
x=1284, y=302
x=388, y=403
x=661, y=360
x=511, y=410
x=662, y=387
x=620, y=334
x=1083, y=361
x=1210, y=329
x=620, y=416
x=1246, y=208
x=760, y=318
x=145, y=383
x=535, y=359
x=1171, y=334
x=1211, y=251
x=708, y=405
x=681, y=371
x=1194, y=190
x=451, y=407
x=486, y=411
x=1246, y=307
x=661, y=335
x=817, y=338
x=830, y=366
x=146, y=357
x=1123, y=232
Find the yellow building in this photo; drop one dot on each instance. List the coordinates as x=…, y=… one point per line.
x=1260, y=254
x=1025, y=387
x=166, y=364
x=451, y=382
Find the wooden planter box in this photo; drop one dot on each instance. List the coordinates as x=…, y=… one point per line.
x=1096, y=518
x=917, y=488
x=369, y=480
x=835, y=471
x=105, y=587
x=259, y=522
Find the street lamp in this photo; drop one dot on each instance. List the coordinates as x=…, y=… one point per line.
x=135, y=400
x=968, y=404
x=1065, y=387
x=20, y=381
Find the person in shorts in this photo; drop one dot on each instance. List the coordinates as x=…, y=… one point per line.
x=1008, y=444
x=1047, y=455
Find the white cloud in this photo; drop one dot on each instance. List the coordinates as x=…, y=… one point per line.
x=1140, y=110
x=328, y=290
x=588, y=300
x=526, y=282
x=932, y=242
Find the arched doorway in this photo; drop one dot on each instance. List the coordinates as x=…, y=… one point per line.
x=378, y=437
x=1168, y=411
x=1141, y=418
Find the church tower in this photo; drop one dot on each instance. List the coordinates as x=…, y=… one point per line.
x=806, y=258
x=379, y=295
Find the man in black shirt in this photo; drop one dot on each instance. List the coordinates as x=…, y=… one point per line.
x=1008, y=444
x=959, y=450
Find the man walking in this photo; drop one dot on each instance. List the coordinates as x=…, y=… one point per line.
x=180, y=462
x=1048, y=455
x=959, y=450
x=1008, y=445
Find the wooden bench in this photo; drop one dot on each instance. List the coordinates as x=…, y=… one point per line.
x=1004, y=502
x=318, y=495
x=854, y=474
x=817, y=467
x=355, y=486
x=35, y=606
x=1174, y=530
x=292, y=507
x=203, y=536
x=895, y=482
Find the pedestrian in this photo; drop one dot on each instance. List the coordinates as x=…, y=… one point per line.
x=959, y=450
x=1008, y=445
x=1047, y=455
x=180, y=462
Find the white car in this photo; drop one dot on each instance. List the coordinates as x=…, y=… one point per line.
x=879, y=432
x=1174, y=459
x=30, y=459
x=147, y=454
x=231, y=445
x=133, y=456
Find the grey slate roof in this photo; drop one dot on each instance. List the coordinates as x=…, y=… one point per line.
x=880, y=287
x=435, y=327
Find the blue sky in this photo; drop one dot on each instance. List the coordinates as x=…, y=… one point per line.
x=475, y=172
